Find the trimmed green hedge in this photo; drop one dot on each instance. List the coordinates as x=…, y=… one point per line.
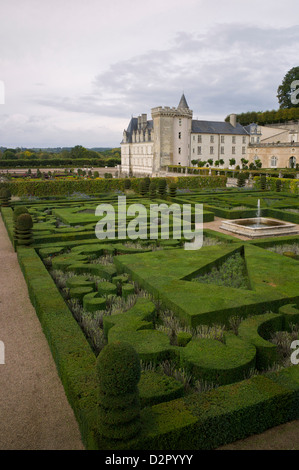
x=208, y=420
x=91, y=186
x=287, y=185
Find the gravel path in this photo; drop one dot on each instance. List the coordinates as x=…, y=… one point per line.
x=34, y=411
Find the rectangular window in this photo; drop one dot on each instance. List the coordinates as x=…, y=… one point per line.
x=234, y=150
x=180, y=135
x=180, y=122
x=199, y=139
x=244, y=140
x=180, y=150
x=222, y=139
x=252, y=140
x=234, y=139
x=222, y=150
x=211, y=150
x=243, y=150
x=211, y=139
x=198, y=150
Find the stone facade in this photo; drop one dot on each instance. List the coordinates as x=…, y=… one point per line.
x=282, y=155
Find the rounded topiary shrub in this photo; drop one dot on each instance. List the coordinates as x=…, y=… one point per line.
x=118, y=370
x=241, y=180
x=107, y=288
x=23, y=230
x=18, y=211
x=278, y=185
x=172, y=189
x=24, y=222
x=127, y=289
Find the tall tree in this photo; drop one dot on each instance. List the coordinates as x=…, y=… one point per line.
x=285, y=90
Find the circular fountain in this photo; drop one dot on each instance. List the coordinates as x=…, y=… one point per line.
x=259, y=227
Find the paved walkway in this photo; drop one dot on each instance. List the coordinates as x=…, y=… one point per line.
x=34, y=411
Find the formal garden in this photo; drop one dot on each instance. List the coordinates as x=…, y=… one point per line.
x=158, y=347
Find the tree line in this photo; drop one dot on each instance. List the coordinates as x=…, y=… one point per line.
x=77, y=152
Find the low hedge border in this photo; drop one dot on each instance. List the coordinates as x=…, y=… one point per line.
x=72, y=354
x=257, y=330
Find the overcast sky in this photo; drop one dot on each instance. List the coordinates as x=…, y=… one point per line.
x=75, y=71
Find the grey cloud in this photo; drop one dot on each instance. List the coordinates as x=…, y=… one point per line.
x=229, y=68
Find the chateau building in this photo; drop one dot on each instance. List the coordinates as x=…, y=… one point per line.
x=173, y=137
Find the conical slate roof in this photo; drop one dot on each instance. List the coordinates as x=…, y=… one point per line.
x=183, y=103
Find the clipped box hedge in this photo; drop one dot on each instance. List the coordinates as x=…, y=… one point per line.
x=64, y=187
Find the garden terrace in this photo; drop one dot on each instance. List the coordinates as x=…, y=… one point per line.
x=212, y=372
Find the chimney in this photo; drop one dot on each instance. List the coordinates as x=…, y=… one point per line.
x=233, y=120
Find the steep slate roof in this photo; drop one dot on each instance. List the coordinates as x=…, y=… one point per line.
x=215, y=127
x=133, y=126
x=183, y=103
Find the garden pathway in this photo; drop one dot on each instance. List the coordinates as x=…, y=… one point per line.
x=34, y=411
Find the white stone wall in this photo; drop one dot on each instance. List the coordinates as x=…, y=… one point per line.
x=222, y=146
x=138, y=156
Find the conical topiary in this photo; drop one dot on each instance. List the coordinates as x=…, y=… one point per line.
x=278, y=185
x=172, y=189
x=152, y=190
x=118, y=370
x=162, y=185
x=127, y=183
x=142, y=188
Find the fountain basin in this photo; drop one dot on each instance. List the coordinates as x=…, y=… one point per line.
x=260, y=227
